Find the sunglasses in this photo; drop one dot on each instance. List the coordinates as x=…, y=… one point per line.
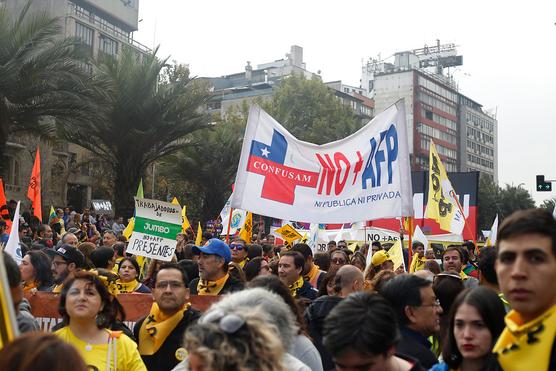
x=338, y=261
x=236, y=246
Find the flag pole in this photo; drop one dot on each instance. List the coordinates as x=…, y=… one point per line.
x=229, y=225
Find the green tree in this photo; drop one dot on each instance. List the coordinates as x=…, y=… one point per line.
x=489, y=202
x=151, y=108
x=311, y=111
x=42, y=82
x=494, y=200
x=549, y=204
x=202, y=174
x=514, y=198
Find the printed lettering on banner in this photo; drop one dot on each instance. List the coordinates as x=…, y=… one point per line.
x=365, y=176
x=157, y=224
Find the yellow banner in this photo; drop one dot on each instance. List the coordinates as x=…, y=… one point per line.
x=442, y=204
x=289, y=234
x=8, y=326
x=246, y=232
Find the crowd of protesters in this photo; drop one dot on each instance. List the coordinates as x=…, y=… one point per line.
x=286, y=307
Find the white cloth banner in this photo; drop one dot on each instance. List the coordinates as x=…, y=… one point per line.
x=365, y=176
x=237, y=221
x=13, y=246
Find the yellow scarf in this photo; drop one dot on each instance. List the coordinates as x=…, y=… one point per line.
x=526, y=346
x=27, y=287
x=205, y=287
x=296, y=285
x=156, y=328
x=58, y=288
x=243, y=262
x=127, y=287
x=417, y=264
x=312, y=273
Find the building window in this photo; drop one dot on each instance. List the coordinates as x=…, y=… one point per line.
x=108, y=46
x=85, y=34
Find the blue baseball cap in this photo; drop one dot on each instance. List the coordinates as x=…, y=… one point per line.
x=214, y=247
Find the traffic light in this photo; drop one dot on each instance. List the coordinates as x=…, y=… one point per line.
x=542, y=185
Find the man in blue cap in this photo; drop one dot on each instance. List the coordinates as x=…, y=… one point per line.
x=213, y=270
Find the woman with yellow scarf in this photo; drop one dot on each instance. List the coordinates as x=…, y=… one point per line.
x=128, y=270
x=36, y=273
x=87, y=307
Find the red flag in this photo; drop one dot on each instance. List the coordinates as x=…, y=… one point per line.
x=4, y=212
x=34, y=191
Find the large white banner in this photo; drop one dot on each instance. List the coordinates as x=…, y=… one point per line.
x=365, y=176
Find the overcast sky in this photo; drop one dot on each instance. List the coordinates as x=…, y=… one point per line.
x=509, y=53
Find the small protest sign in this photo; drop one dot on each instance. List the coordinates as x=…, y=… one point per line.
x=157, y=224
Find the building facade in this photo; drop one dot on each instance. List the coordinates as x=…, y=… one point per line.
x=478, y=144
x=465, y=136
x=68, y=171
x=243, y=87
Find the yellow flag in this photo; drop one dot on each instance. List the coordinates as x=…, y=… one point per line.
x=185, y=225
x=8, y=326
x=396, y=254
x=175, y=201
x=246, y=232
x=199, y=237
x=289, y=234
x=442, y=204
x=129, y=228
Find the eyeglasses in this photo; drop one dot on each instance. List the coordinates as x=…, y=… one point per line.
x=236, y=246
x=338, y=261
x=435, y=304
x=229, y=323
x=173, y=285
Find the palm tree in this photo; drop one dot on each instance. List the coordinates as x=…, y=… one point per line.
x=42, y=83
x=151, y=107
x=208, y=168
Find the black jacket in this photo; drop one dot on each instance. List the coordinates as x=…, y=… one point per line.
x=231, y=285
x=306, y=291
x=314, y=317
x=416, y=346
x=165, y=358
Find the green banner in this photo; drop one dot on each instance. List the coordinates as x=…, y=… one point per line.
x=156, y=228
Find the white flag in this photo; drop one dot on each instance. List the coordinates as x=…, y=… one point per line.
x=491, y=240
x=13, y=246
x=418, y=235
x=237, y=220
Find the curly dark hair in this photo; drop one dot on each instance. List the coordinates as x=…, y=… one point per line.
x=111, y=310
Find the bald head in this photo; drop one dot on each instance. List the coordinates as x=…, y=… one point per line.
x=348, y=279
x=425, y=274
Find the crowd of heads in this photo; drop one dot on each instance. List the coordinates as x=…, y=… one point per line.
x=354, y=305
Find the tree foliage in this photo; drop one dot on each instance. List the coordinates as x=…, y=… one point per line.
x=151, y=108
x=202, y=174
x=495, y=200
x=311, y=111
x=42, y=82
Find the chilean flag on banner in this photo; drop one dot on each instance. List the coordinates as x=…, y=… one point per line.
x=362, y=177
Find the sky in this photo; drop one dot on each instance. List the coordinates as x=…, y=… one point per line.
x=509, y=54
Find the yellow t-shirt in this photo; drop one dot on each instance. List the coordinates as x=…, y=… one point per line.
x=96, y=355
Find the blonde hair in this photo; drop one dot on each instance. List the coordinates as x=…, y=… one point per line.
x=254, y=346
